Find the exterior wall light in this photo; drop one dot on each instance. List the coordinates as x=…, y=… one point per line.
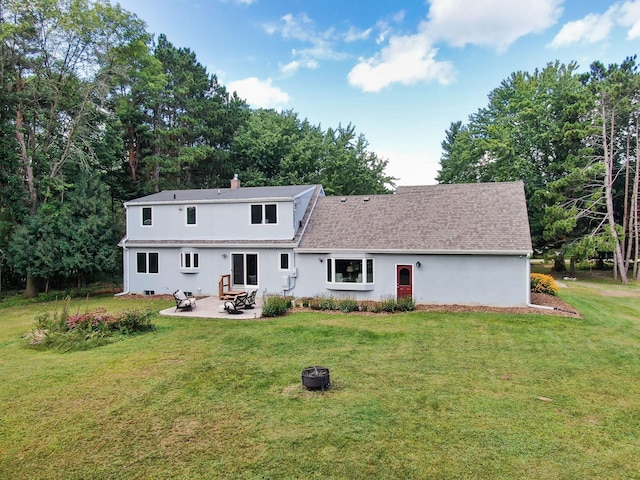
x=418, y=264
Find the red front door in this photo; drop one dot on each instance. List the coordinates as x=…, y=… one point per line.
x=404, y=280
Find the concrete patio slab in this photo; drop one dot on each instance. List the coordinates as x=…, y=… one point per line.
x=213, y=307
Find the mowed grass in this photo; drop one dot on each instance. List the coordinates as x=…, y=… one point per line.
x=418, y=395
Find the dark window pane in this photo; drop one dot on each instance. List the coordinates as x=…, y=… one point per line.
x=153, y=263
x=146, y=216
x=191, y=215
x=405, y=276
x=252, y=269
x=187, y=260
x=284, y=261
x=270, y=214
x=196, y=260
x=369, y=270
x=142, y=262
x=344, y=270
x=256, y=214
x=329, y=270
x=238, y=269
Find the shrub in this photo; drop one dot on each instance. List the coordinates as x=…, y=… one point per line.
x=58, y=329
x=275, y=305
x=388, y=304
x=405, y=304
x=348, y=305
x=323, y=303
x=541, y=283
x=134, y=321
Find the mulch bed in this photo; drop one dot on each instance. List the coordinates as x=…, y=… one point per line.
x=560, y=308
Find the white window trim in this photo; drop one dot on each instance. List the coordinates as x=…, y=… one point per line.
x=147, y=272
x=192, y=268
x=142, y=217
x=244, y=255
x=363, y=285
x=264, y=214
x=280, y=262
x=186, y=216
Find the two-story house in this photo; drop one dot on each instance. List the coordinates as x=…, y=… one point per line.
x=441, y=244
x=187, y=239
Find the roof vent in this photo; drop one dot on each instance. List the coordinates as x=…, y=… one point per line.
x=343, y=199
x=366, y=199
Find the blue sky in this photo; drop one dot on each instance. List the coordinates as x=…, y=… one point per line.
x=399, y=71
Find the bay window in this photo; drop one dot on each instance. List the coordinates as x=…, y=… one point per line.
x=355, y=270
x=189, y=260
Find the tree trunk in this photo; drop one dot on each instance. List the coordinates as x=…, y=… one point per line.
x=30, y=289
x=133, y=163
x=618, y=259
x=634, y=208
x=626, y=216
x=24, y=155
x=572, y=267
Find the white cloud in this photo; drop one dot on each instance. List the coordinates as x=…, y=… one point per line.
x=240, y=2
x=301, y=28
x=407, y=60
x=295, y=65
x=630, y=17
x=411, y=168
x=259, y=93
x=490, y=23
x=354, y=34
x=591, y=29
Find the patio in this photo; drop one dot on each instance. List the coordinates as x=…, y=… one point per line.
x=213, y=307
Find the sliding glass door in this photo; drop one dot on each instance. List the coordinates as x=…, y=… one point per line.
x=245, y=268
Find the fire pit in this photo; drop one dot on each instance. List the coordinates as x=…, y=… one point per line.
x=315, y=378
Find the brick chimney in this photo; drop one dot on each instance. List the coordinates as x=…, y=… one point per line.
x=235, y=182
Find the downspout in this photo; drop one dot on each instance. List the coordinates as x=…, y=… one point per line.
x=125, y=265
x=529, y=304
x=125, y=252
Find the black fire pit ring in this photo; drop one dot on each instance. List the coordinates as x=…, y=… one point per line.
x=315, y=378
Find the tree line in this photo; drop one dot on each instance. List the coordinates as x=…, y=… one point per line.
x=95, y=112
x=573, y=138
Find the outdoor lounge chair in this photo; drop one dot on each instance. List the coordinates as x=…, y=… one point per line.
x=182, y=301
x=234, y=306
x=250, y=301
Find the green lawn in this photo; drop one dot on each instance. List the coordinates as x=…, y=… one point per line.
x=418, y=395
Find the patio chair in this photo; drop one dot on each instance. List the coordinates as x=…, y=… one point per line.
x=250, y=301
x=234, y=306
x=182, y=301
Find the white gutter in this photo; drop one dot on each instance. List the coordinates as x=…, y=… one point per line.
x=413, y=251
x=125, y=251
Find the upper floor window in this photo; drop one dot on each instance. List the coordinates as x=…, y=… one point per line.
x=147, y=262
x=147, y=218
x=191, y=215
x=264, y=213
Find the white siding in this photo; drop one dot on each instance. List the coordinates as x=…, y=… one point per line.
x=491, y=280
x=217, y=221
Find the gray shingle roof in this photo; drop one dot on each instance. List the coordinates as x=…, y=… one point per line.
x=479, y=217
x=223, y=194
